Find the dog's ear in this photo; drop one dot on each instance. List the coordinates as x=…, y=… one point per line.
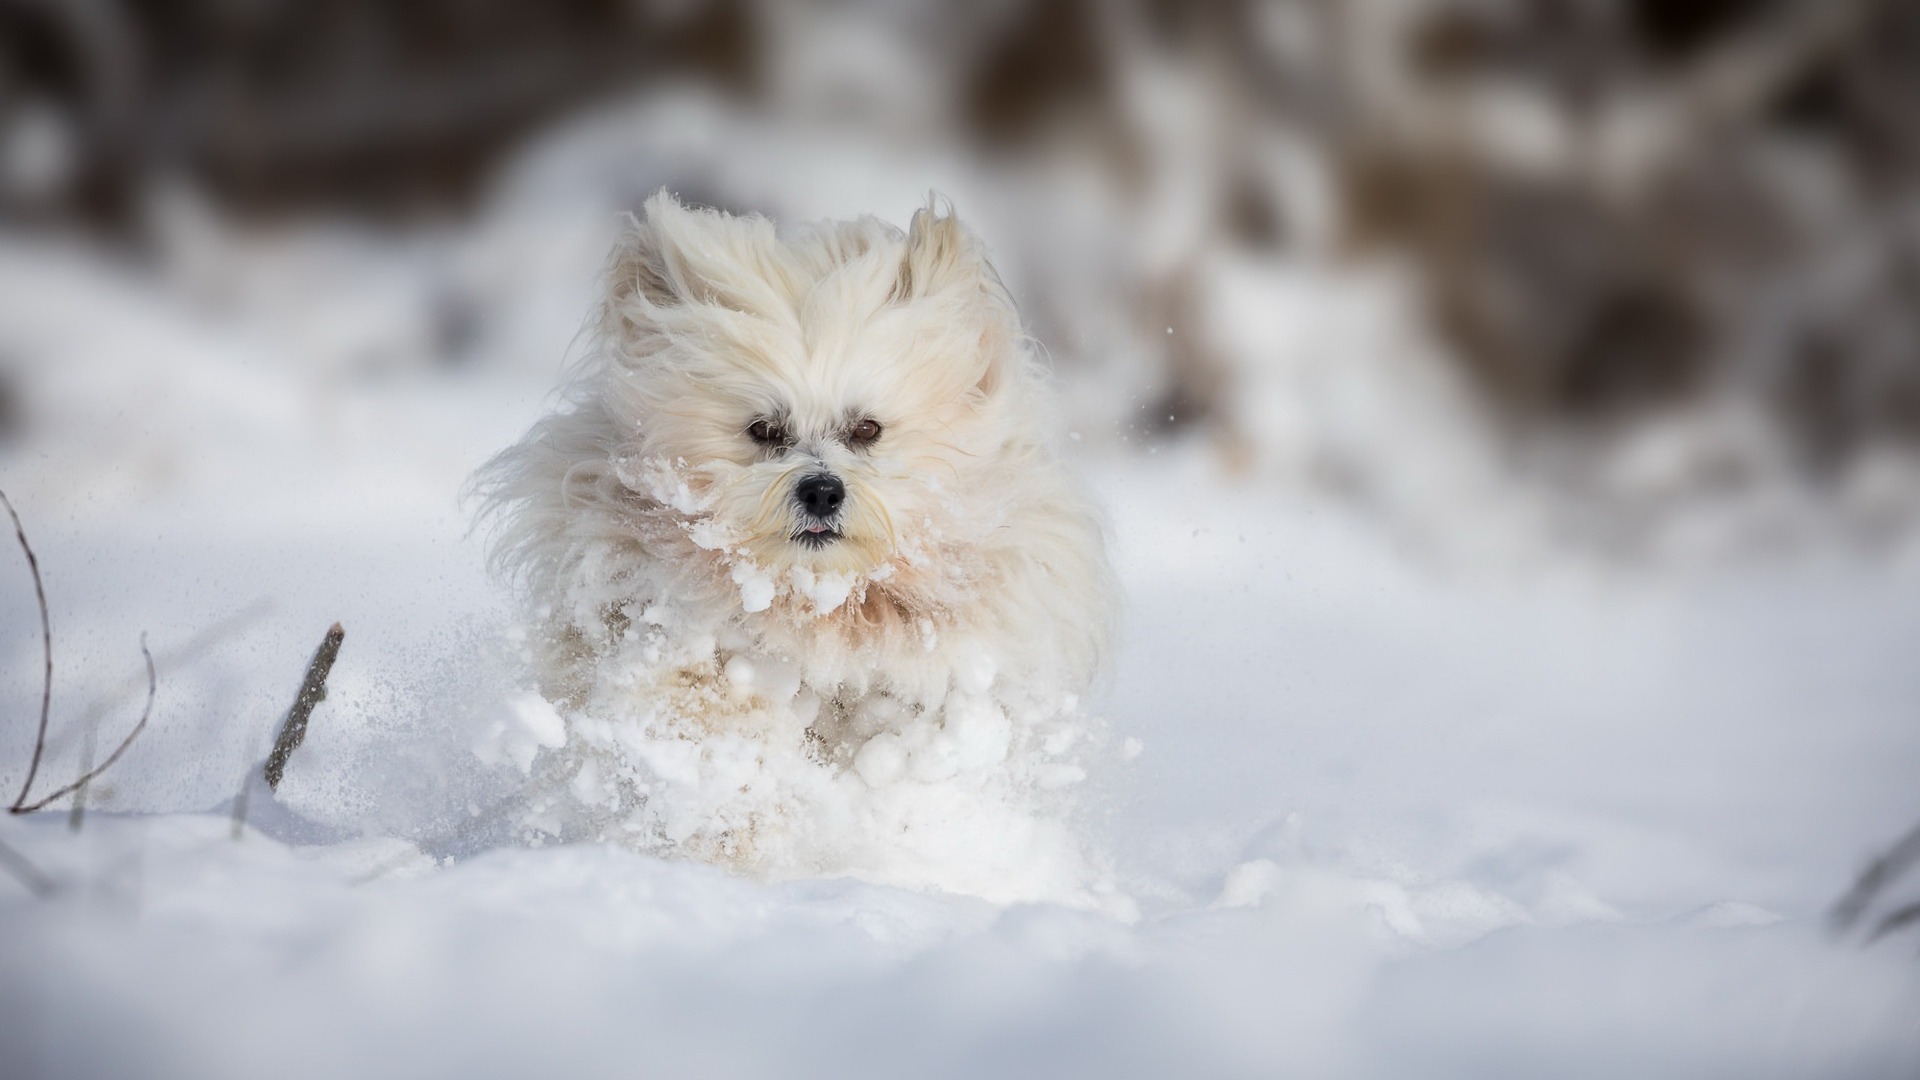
x=637, y=270
x=647, y=269
x=943, y=257
x=675, y=256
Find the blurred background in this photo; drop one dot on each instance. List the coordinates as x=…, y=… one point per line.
x=1632, y=278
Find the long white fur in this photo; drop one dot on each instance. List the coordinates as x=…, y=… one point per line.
x=964, y=533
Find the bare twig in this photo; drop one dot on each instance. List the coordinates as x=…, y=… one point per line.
x=35, y=879
x=145, y=715
x=1877, y=876
x=46, y=648
x=185, y=653
x=312, y=692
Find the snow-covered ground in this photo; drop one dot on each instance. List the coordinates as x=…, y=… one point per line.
x=1374, y=813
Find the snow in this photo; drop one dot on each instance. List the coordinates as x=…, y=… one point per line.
x=1365, y=811
x=529, y=723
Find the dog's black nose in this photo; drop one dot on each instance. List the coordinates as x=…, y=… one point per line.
x=820, y=494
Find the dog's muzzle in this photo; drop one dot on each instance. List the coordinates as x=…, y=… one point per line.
x=820, y=496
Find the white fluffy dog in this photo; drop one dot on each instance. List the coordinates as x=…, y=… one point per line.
x=803, y=494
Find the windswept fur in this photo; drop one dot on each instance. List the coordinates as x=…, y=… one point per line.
x=961, y=536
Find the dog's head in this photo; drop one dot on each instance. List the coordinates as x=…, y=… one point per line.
x=847, y=400
x=839, y=433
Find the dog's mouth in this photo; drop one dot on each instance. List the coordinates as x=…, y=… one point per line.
x=816, y=535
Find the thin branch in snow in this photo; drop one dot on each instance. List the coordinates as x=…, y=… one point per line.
x=313, y=690
x=145, y=715
x=46, y=648
x=20, y=804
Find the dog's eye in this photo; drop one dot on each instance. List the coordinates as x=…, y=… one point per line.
x=766, y=433
x=863, y=432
